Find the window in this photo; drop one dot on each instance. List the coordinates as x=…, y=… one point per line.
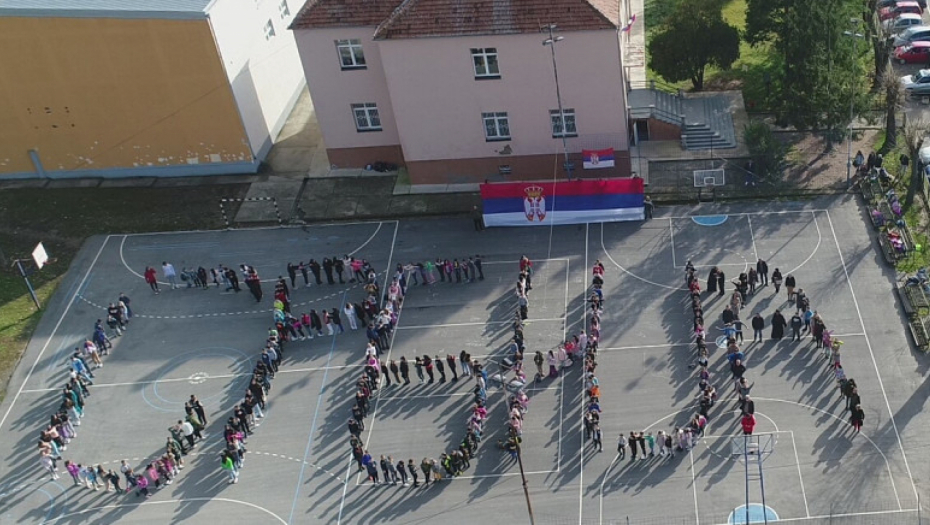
x=269, y=30
x=366, y=117
x=350, y=54
x=485, y=59
x=496, y=126
x=285, y=10
x=564, y=126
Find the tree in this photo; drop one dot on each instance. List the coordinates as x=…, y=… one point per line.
x=882, y=47
x=820, y=66
x=914, y=133
x=894, y=95
x=694, y=36
x=769, y=154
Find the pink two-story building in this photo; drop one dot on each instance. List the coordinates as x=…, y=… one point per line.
x=465, y=90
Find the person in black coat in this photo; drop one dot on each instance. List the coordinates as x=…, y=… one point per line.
x=712, y=280
x=778, y=325
x=328, y=269
x=758, y=324
x=762, y=268
x=790, y=283
x=721, y=282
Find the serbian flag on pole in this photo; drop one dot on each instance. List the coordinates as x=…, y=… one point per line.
x=569, y=202
x=598, y=158
x=629, y=24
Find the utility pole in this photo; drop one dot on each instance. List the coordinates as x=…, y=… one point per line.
x=551, y=41
x=526, y=489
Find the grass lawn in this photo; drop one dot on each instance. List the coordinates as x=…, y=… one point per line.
x=62, y=219
x=747, y=73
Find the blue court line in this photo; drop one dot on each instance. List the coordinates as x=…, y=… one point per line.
x=758, y=513
x=316, y=414
x=710, y=220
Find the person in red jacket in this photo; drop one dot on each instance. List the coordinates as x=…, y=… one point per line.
x=151, y=279
x=748, y=423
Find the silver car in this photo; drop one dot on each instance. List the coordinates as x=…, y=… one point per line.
x=912, y=34
x=917, y=85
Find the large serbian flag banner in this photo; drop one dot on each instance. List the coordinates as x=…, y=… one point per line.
x=570, y=202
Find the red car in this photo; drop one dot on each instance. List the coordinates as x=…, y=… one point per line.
x=887, y=13
x=913, y=53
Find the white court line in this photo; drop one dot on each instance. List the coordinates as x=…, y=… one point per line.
x=697, y=515
x=477, y=323
x=741, y=265
x=631, y=274
x=353, y=252
x=48, y=340
x=642, y=347
x=166, y=502
x=600, y=519
x=364, y=244
x=797, y=461
x=455, y=394
x=568, y=265
x=689, y=343
x=207, y=377
x=878, y=449
x=868, y=343
x=584, y=326
x=387, y=359
x=284, y=227
x=753, y=237
x=671, y=233
x=848, y=515
x=518, y=262
x=814, y=251
x=783, y=212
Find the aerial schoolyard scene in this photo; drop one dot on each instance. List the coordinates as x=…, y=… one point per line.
x=345, y=262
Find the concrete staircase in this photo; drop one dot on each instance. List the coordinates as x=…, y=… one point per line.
x=705, y=122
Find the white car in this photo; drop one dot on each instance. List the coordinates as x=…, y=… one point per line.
x=916, y=85
x=902, y=22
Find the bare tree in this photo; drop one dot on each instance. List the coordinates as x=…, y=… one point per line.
x=914, y=132
x=894, y=96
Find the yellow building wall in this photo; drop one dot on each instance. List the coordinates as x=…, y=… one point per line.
x=99, y=94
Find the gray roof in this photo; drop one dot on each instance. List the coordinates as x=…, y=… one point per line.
x=105, y=8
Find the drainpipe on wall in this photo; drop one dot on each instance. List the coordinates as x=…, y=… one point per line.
x=37, y=163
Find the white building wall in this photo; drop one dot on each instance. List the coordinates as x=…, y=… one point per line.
x=265, y=72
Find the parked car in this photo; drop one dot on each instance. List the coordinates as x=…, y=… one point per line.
x=902, y=22
x=892, y=3
x=908, y=6
x=917, y=85
x=912, y=34
x=913, y=53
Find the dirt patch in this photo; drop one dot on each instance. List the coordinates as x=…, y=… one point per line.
x=819, y=165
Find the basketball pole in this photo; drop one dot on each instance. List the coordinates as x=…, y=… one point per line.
x=22, y=271
x=746, y=470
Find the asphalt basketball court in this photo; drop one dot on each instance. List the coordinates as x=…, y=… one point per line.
x=299, y=470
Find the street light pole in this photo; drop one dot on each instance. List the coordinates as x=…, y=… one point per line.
x=526, y=489
x=851, y=116
x=551, y=41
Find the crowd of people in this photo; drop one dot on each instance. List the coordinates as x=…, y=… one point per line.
x=83, y=361
x=378, y=373
x=803, y=320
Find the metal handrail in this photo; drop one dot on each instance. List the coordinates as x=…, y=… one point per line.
x=653, y=84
